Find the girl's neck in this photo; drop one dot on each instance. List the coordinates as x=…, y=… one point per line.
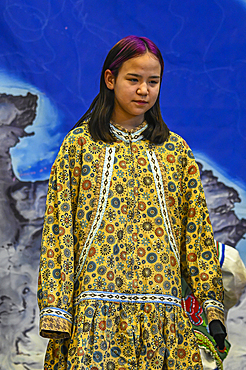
x=129, y=124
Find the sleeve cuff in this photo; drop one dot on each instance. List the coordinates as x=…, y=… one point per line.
x=214, y=310
x=55, y=323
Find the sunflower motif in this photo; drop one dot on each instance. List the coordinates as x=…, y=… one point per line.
x=111, y=261
x=128, y=351
x=46, y=274
x=99, y=238
x=157, y=363
x=99, y=283
x=119, y=282
x=110, y=214
x=87, y=360
x=65, y=195
x=164, y=258
x=147, y=226
x=121, y=339
x=72, y=151
x=68, y=287
x=147, y=180
x=129, y=248
x=94, y=148
x=203, y=265
x=110, y=365
x=105, y=249
x=145, y=334
x=119, y=188
x=66, y=220
x=68, y=241
x=146, y=272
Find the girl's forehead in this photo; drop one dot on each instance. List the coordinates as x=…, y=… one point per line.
x=145, y=62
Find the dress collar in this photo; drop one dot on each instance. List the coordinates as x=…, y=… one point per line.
x=122, y=133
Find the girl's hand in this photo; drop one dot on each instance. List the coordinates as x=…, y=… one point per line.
x=218, y=331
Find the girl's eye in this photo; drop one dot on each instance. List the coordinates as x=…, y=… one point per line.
x=133, y=79
x=154, y=82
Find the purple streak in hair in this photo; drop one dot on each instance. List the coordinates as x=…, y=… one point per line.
x=134, y=46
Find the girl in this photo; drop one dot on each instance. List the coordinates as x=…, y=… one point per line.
x=126, y=218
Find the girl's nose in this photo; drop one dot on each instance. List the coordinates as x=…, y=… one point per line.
x=143, y=89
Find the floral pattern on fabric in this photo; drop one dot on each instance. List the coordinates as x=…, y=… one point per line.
x=124, y=221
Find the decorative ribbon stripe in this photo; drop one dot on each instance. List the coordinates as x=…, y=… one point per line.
x=162, y=201
x=129, y=298
x=102, y=201
x=213, y=303
x=53, y=311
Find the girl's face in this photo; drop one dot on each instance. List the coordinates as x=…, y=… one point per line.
x=136, y=88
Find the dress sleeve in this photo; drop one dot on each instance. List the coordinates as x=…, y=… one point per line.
x=200, y=266
x=55, y=283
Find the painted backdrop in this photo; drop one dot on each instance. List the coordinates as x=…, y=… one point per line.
x=51, y=53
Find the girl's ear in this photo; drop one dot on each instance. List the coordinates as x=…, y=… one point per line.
x=109, y=79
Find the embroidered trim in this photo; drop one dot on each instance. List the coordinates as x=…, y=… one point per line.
x=95, y=204
x=135, y=136
x=213, y=303
x=163, y=173
x=102, y=201
x=213, y=313
x=53, y=311
x=55, y=323
x=130, y=298
x=214, y=310
x=161, y=196
x=205, y=343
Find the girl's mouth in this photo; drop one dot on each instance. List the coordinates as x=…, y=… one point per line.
x=141, y=102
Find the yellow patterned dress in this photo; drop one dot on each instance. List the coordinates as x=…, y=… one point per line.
x=124, y=221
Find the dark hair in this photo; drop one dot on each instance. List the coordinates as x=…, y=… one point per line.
x=100, y=111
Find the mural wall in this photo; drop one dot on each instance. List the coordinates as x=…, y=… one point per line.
x=50, y=60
